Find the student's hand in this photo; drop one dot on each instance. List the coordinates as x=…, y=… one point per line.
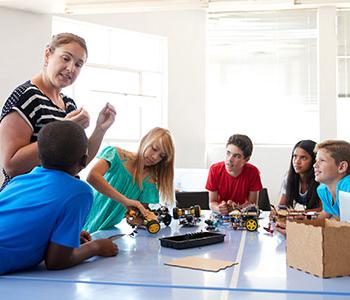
x=79, y=116
x=230, y=205
x=105, y=247
x=60, y=257
x=85, y=237
x=137, y=204
x=106, y=117
x=246, y=204
x=223, y=208
x=144, y=210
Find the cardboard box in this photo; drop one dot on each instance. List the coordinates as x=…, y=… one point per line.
x=319, y=247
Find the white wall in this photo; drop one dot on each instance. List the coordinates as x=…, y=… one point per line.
x=273, y=163
x=186, y=33
x=327, y=72
x=23, y=39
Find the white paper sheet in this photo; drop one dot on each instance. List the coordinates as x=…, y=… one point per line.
x=344, y=206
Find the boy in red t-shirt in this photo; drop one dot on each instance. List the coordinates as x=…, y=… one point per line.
x=234, y=181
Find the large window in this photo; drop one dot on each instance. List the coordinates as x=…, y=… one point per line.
x=262, y=76
x=126, y=69
x=343, y=79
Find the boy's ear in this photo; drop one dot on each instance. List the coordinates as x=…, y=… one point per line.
x=343, y=167
x=247, y=159
x=83, y=161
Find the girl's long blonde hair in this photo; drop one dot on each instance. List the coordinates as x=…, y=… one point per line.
x=162, y=172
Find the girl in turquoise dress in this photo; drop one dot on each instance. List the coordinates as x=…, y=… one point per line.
x=122, y=179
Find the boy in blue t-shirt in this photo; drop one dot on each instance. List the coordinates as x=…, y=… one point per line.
x=43, y=212
x=332, y=169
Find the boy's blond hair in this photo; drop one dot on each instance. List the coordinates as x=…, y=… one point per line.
x=339, y=150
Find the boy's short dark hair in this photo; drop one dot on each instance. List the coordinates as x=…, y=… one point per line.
x=61, y=144
x=243, y=142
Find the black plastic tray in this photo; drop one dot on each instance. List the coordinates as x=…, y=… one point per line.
x=190, y=240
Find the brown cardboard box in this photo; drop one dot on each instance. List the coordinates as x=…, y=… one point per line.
x=319, y=247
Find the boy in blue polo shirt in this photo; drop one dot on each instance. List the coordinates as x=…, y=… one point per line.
x=332, y=169
x=43, y=212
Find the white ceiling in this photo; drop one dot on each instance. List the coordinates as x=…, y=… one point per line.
x=96, y=6
x=118, y=6
x=39, y=6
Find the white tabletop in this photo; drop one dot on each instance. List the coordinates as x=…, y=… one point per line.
x=139, y=268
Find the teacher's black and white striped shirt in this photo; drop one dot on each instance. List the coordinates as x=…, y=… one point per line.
x=35, y=108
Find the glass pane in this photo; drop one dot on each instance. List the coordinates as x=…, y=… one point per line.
x=343, y=33
x=151, y=83
x=114, y=81
x=130, y=76
x=343, y=83
x=127, y=125
x=343, y=79
x=151, y=116
x=136, y=50
x=96, y=37
x=343, y=111
x=262, y=77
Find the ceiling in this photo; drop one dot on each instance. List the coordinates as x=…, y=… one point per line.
x=96, y=6
x=119, y=6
